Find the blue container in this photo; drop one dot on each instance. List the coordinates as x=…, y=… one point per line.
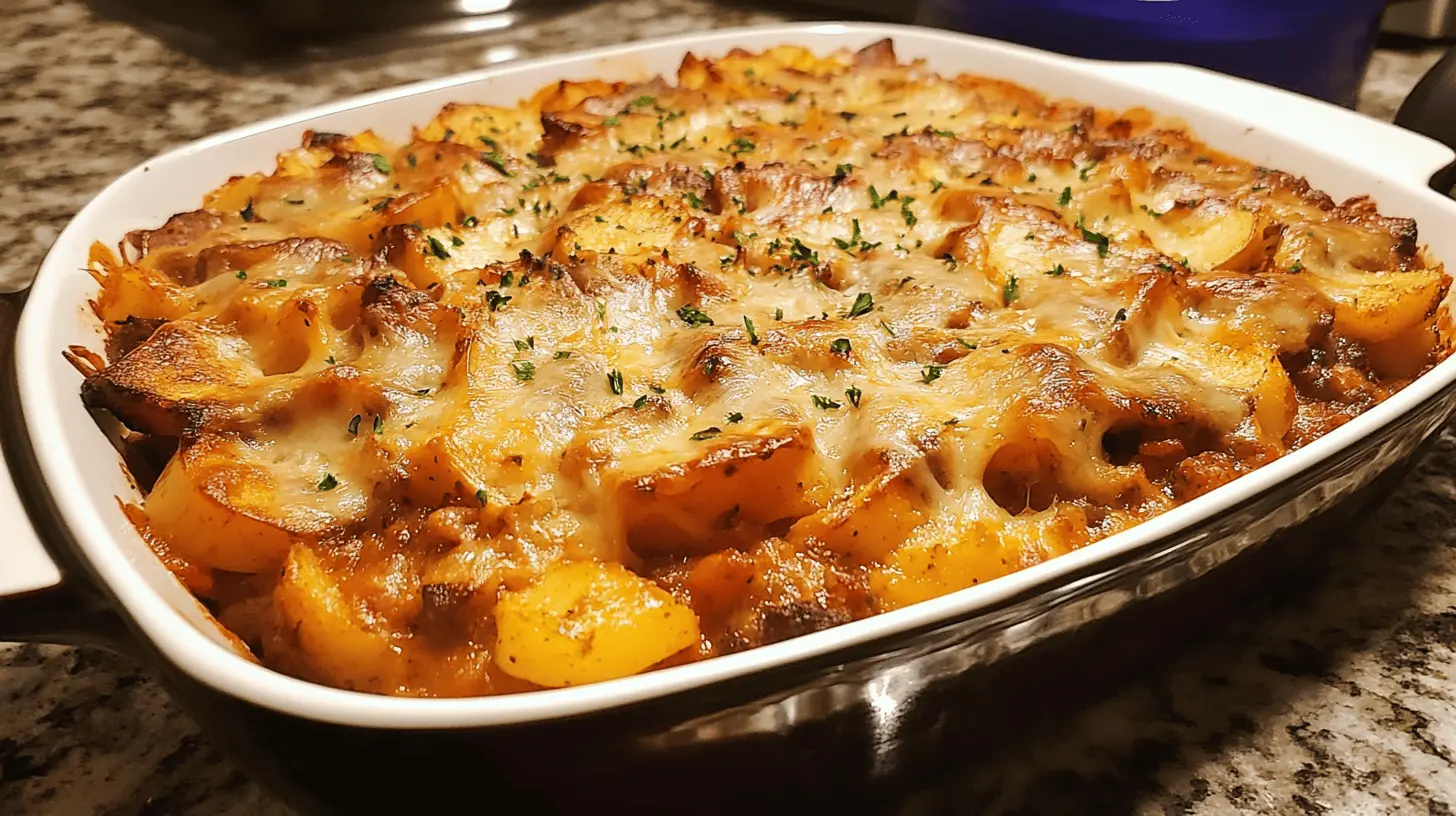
x=1315, y=47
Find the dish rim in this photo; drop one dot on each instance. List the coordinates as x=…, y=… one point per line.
x=203, y=658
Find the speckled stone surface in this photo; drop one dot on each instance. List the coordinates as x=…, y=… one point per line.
x=1339, y=699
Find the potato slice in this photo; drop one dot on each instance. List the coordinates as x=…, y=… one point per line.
x=336, y=643
x=586, y=622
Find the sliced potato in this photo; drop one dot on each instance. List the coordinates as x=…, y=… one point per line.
x=335, y=641
x=586, y=622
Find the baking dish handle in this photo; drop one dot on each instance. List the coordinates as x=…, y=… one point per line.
x=40, y=600
x=1430, y=110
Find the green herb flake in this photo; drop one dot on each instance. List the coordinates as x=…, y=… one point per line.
x=561, y=355
x=611, y=121
x=1296, y=267
x=1093, y=237
x=495, y=300
x=525, y=370
x=734, y=418
x=966, y=343
x=752, y=333
x=354, y=424
x=935, y=185
x=697, y=203
x=381, y=164
x=438, y=249
x=825, y=403
x=778, y=314
x=1011, y=291
x=639, y=402
x=854, y=394
x=276, y=283
x=1057, y=271
x=247, y=213
x=840, y=347
x=864, y=303
x=741, y=145
x=614, y=381
x=469, y=221
x=1065, y=198
x=242, y=274
x=480, y=497
x=328, y=482
x=931, y=373
x=706, y=433
x=455, y=240
x=378, y=424
x=1120, y=316
x=693, y=316
x=910, y=219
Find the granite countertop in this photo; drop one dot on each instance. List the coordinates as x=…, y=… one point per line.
x=1339, y=698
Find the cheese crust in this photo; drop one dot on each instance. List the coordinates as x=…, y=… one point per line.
x=635, y=374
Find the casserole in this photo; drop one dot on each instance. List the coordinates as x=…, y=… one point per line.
x=874, y=691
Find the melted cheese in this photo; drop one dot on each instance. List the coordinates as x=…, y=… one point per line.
x=796, y=339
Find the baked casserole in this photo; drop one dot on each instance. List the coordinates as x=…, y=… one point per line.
x=635, y=374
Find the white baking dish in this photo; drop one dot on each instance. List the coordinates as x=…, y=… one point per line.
x=1339, y=151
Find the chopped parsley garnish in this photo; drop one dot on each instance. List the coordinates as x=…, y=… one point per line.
x=825, y=403
x=1065, y=198
x=1057, y=271
x=354, y=425
x=692, y=198
x=382, y=164
x=949, y=134
x=525, y=370
x=413, y=162
x=294, y=201
x=935, y=185
x=495, y=300
x=657, y=389
x=752, y=333
x=1011, y=291
x=642, y=102
x=853, y=393
x=522, y=345
x=1166, y=267
x=495, y=160
x=242, y=274
x=1094, y=237
x=1120, y=316
x=507, y=278
x=968, y=344
x=693, y=316
x=480, y=496
x=1296, y=267
x=455, y=240
x=1150, y=211
x=276, y=283
x=329, y=360
x=840, y=347
x=931, y=373
x=639, y=402
x=1030, y=178
x=378, y=424
x=469, y=221
x=614, y=381
x=328, y=482
x=886, y=327
x=778, y=314
x=875, y=200
x=799, y=252
x=247, y=213
x=909, y=217
x=864, y=303
x=611, y=121
x=449, y=134
x=561, y=355
x=1085, y=171
x=734, y=418
x=438, y=249
x=841, y=172
x=706, y=433
x=741, y=145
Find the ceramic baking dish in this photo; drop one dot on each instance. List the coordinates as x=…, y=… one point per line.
x=876, y=694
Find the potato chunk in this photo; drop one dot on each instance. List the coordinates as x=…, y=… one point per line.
x=586, y=622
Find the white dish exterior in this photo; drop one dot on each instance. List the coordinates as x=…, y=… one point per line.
x=1339, y=151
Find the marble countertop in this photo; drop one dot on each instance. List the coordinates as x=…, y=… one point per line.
x=1340, y=698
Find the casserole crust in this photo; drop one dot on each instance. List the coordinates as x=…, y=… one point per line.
x=635, y=374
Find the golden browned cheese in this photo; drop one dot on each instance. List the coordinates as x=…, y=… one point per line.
x=637, y=374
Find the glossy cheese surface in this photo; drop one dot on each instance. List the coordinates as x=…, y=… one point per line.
x=637, y=374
